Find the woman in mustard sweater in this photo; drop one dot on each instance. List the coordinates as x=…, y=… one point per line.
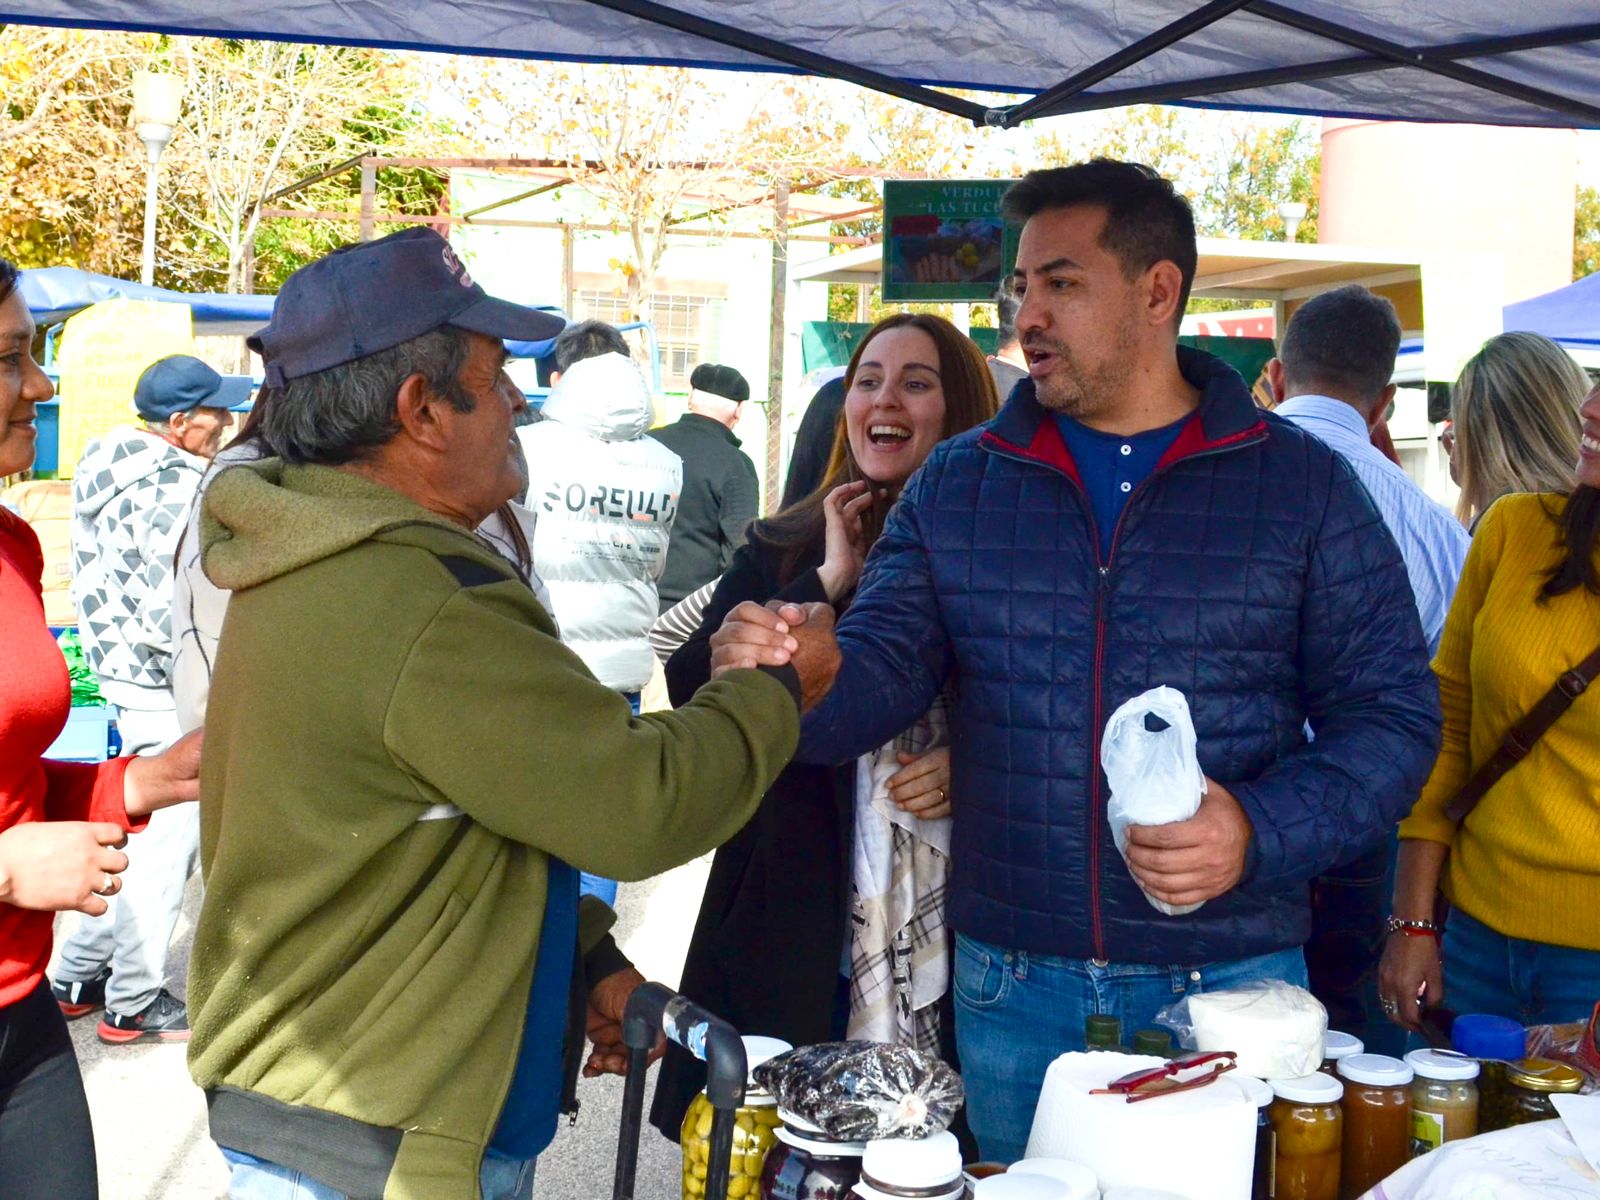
x=1523, y=939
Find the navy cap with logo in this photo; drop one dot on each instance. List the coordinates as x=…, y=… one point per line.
x=182, y=383
x=374, y=295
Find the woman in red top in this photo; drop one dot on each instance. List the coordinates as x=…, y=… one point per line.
x=60, y=824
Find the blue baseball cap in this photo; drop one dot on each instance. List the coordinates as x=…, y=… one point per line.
x=182, y=383
x=374, y=295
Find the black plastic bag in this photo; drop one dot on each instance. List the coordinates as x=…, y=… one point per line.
x=860, y=1091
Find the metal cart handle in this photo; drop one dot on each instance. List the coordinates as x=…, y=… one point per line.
x=653, y=1010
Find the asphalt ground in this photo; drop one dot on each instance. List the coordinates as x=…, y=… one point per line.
x=150, y=1123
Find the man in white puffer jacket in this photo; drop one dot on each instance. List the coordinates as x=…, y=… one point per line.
x=605, y=496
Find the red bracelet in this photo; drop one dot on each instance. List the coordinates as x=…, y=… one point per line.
x=1425, y=929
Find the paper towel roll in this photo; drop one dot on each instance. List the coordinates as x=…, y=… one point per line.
x=1199, y=1144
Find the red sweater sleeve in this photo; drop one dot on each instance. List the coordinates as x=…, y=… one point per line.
x=88, y=792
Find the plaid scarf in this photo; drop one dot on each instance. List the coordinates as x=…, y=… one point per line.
x=899, y=948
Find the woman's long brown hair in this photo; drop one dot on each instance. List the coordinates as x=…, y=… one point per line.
x=969, y=399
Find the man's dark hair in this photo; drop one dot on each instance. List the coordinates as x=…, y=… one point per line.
x=1005, y=318
x=8, y=278
x=1147, y=221
x=587, y=339
x=1341, y=343
x=345, y=413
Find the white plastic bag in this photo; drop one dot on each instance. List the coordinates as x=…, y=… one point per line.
x=1277, y=1030
x=1154, y=773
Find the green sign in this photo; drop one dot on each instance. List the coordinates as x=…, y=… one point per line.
x=944, y=239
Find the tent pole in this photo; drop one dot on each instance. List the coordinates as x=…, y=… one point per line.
x=1423, y=61
x=816, y=64
x=1167, y=35
x=1212, y=85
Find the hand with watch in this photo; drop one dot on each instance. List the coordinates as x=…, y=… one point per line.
x=1411, y=973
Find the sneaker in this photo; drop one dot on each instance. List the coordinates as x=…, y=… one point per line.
x=165, y=1019
x=79, y=998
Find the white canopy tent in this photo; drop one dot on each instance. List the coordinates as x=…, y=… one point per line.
x=1536, y=62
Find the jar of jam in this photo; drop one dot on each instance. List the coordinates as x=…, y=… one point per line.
x=1307, y=1128
x=1102, y=1031
x=1335, y=1046
x=806, y=1164
x=1155, y=1042
x=1444, y=1099
x=1377, y=1121
x=753, y=1128
x=1531, y=1082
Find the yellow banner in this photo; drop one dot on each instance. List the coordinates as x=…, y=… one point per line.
x=104, y=349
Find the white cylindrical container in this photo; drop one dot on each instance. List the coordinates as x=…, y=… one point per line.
x=1081, y=1182
x=928, y=1168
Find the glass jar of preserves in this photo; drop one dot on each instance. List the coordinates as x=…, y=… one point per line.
x=753, y=1131
x=1444, y=1099
x=1154, y=1042
x=1335, y=1046
x=806, y=1164
x=926, y=1168
x=1377, y=1121
x=1307, y=1130
x=1529, y=1085
x=1102, y=1031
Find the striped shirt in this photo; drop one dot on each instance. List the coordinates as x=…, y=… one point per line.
x=1432, y=542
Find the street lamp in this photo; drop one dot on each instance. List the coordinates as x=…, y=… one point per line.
x=1292, y=212
x=157, y=101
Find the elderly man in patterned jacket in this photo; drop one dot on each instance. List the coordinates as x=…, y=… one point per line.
x=130, y=496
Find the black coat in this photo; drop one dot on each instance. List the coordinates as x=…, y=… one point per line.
x=720, y=498
x=770, y=937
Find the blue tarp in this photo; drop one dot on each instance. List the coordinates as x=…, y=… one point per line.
x=1569, y=315
x=55, y=293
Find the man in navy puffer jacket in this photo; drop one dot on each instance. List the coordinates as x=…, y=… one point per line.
x=1129, y=519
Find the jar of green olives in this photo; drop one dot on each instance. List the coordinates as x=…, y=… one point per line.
x=753, y=1132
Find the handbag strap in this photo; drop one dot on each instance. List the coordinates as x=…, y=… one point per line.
x=1523, y=735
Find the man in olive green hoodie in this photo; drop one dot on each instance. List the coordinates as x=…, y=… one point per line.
x=405, y=768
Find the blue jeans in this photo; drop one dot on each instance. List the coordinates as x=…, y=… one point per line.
x=599, y=885
x=1017, y=1012
x=252, y=1178
x=1533, y=983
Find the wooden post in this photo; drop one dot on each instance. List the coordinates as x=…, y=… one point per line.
x=780, y=294
x=369, y=197
x=569, y=288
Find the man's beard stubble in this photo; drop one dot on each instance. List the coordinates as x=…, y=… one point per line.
x=1075, y=391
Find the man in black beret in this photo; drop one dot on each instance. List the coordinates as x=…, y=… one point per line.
x=720, y=494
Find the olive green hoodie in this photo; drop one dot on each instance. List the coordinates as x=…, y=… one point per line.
x=395, y=742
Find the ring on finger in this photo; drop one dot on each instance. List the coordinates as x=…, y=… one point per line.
x=1390, y=1007
x=108, y=886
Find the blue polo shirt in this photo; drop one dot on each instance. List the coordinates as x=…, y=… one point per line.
x=1112, y=465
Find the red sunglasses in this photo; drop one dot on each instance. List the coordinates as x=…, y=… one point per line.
x=1182, y=1074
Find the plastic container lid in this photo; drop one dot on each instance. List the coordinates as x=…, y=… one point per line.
x=799, y=1132
x=1021, y=1187
x=1544, y=1075
x=1336, y=1045
x=1081, y=1182
x=1153, y=1041
x=1483, y=1035
x=1102, y=1029
x=1257, y=1091
x=1375, y=1070
x=922, y=1163
x=1443, y=1065
x=1316, y=1088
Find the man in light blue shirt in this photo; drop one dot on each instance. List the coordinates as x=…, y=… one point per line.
x=1331, y=378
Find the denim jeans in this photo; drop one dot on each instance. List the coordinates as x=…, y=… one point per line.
x=1533, y=983
x=1017, y=1012
x=252, y=1178
x=1348, y=905
x=599, y=885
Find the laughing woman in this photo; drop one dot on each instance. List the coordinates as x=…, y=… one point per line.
x=800, y=899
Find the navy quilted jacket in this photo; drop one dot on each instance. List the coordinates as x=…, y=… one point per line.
x=1251, y=572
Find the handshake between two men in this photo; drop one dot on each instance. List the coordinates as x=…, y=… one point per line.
x=797, y=635
x=1187, y=862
